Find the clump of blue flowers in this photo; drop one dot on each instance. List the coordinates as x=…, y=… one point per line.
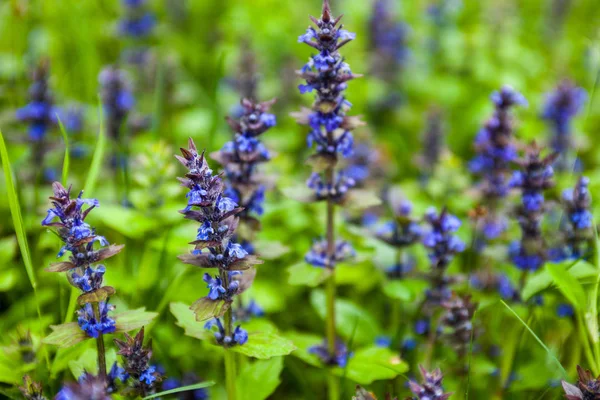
x=215, y=247
x=496, y=150
x=442, y=245
x=561, y=106
x=137, y=22
x=577, y=224
x=388, y=39
x=241, y=157
x=401, y=233
x=144, y=379
x=40, y=112
x=68, y=217
x=536, y=176
x=117, y=99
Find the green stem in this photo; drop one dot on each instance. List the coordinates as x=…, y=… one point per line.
x=230, y=374
x=333, y=386
x=100, y=346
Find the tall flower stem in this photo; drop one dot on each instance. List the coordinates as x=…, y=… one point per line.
x=230, y=371
x=100, y=346
x=330, y=332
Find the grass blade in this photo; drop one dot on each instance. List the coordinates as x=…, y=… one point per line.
x=181, y=389
x=67, y=159
x=15, y=211
x=96, y=165
x=562, y=369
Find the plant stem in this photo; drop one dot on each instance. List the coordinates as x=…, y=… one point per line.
x=333, y=382
x=230, y=374
x=229, y=355
x=100, y=345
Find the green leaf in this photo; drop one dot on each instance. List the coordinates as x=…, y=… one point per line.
x=88, y=361
x=568, y=285
x=360, y=199
x=67, y=157
x=352, y=322
x=181, y=389
x=265, y=345
x=187, y=320
x=65, y=335
x=205, y=308
x=542, y=280
x=271, y=250
x=258, y=380
x=303, y=342
x=374, y=363
x=129, y=222
x=404, y=290
x=299, y=193
x=306, y=274
x=133, y=319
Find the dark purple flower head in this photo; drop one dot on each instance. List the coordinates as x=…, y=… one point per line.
x=327, y=74
x=495, y=145
x=115, y=374
x=337, y=191
x=136, y=362
x=440, y=239
x=431, y=388
x=117, y=98
x=561, y=106
x=88, y=387
x=587, y=387
x=137, y=21
x=317, y=255
x=40, y=112
x=535, y=176
x=339, y=358
x=456, y=322
x=91, y=324
x=31, y=390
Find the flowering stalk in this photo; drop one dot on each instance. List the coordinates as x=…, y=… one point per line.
x=245, y=184
x=587, y=387
x=136, y=24
x=215, y=247
x=560, y=108
x=117, y=101
x=79, y=239
x=534, y=178
x=327, y=74
x=496, y=150
x=431, y=388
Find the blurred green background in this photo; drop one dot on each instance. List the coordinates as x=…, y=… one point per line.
x=185, y=90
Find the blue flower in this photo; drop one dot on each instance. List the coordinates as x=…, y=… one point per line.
x=215, y=285
x=523, y=260
x=148, y=375
x=317, y=256
x=90, y=280
x=383, y=341
x=440, y=241
x=564, y=310
x=240, y=336
x=422, y=327
x=235, y=250
x=93, y=327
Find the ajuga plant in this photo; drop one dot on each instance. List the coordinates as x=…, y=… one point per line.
x=388, y=39
x=216, y=249
x=39, y=113
x=68, y=217
x=433, y=144
x=457, y=324
x=326, y=74
x=136, y=25
x=561, y=106
x=496, y=150
x=431, y=388
x=32, y=390
x=117, y=101
x=144, y=377
x=442, y=245
x=586, y=388
x=577, y=224
x=245, y=184
x=535, y=176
